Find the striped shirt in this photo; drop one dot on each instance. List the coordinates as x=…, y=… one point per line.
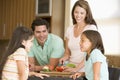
x=10, y=70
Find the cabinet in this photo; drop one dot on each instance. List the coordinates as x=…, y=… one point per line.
x=4, y=22
x=56, y=19
x=14, y=13
x=22, y=12
x=58, y=16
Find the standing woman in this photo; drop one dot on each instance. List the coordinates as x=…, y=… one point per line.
x=82, y=20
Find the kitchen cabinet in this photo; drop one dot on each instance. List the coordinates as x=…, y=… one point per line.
x=14, y=13
x=22, y=12
x=57, y=19
x=4, y=16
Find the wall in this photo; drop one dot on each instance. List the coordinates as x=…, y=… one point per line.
x=57, y=18
x=107, y=17
x=68, y=19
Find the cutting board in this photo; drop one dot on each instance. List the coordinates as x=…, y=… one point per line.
x=55, y=73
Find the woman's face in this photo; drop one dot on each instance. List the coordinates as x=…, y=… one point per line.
x=28, y=43
x=79, y=14
x=85, y=44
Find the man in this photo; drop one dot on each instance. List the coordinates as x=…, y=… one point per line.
x=47, y=48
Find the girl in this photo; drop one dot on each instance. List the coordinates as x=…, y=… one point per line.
x=14, y=63
x=95, y=65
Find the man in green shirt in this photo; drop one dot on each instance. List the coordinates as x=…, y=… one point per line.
x=47, y=48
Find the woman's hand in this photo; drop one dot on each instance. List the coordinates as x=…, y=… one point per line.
x=63, y=59
x=76, y=75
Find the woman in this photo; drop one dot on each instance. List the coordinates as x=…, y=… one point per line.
x=82, y=20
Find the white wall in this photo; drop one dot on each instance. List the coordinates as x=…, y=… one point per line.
x=107, y=16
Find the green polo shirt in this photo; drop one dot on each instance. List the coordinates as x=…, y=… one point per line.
x=53, y=48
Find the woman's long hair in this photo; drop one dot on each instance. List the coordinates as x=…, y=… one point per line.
x=20, y=33
x=84, y=4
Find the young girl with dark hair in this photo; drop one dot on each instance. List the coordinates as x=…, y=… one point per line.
x=96, y=67
x=14, y=63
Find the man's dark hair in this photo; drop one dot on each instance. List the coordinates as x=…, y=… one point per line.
x=38, y=22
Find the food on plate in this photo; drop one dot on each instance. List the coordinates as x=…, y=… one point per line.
x=71, y=65
x=51, y=67
x=46, y=69
x=59, y=68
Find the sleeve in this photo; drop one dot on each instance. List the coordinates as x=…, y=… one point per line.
x=97, y=56
x=20, y=55
x=31, y=52
x=91, y=27
x=58, y=49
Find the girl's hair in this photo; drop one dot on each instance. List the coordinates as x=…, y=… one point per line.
x=20, y=33
x=84, y=4
x=95, y=39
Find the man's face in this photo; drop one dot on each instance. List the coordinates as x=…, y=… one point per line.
x=41, y=34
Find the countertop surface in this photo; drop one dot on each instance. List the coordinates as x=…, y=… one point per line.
x=53, y=78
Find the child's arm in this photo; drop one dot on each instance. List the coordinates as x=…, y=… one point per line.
x=80, y=65
x=21, y=69
x=96, y=70
x=32, y=64
x=38, y=75
x=77, y=75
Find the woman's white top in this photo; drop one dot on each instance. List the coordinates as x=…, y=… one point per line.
x=73, y=44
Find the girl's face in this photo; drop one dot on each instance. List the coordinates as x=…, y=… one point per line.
x=28, y=43
x=85, y=44
x=79, y=14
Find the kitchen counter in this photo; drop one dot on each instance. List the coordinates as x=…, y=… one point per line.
x=114, y=74
x=53, y=78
